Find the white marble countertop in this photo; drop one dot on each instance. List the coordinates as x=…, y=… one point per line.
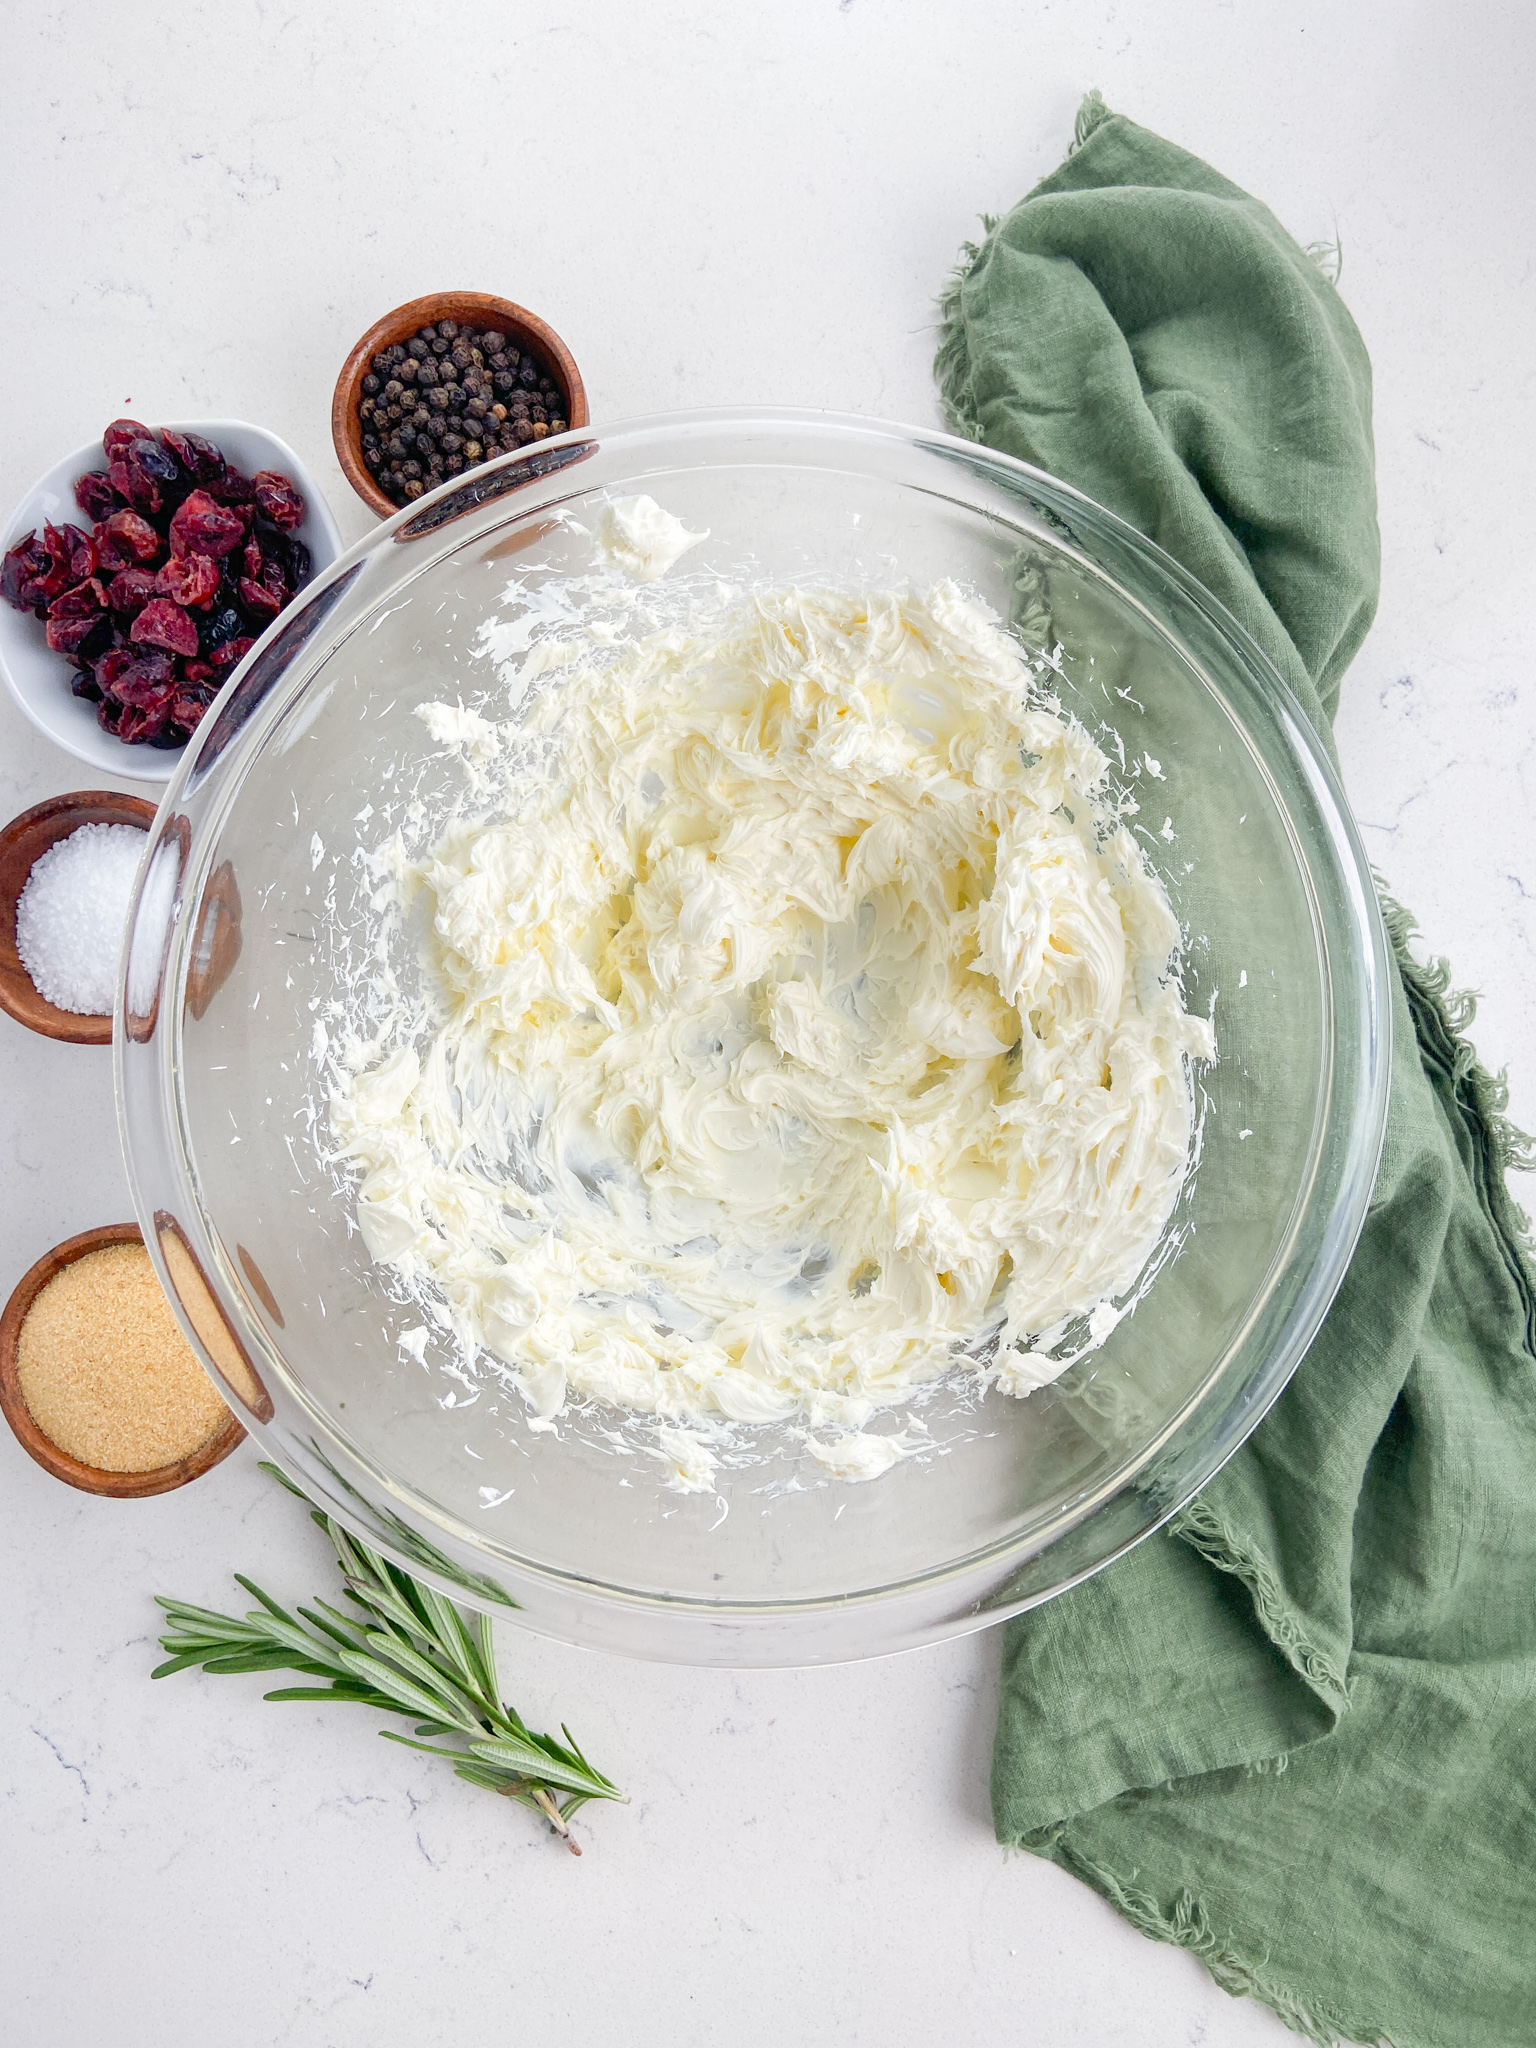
x=204, y=206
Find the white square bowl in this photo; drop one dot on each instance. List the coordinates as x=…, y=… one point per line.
x=39, y=679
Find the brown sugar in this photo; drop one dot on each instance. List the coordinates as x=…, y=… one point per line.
x=106, y=1373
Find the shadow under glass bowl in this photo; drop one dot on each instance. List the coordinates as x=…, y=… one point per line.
x=228, y=965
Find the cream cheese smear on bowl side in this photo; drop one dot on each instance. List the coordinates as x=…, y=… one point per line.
x=800, y=1019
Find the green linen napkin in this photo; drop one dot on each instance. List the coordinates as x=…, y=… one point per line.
x=1296, y=1731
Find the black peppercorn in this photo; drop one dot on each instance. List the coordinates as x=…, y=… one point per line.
x=448, y=398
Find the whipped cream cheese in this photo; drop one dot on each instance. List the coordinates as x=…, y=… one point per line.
x=804, y=1024
x=642, y=539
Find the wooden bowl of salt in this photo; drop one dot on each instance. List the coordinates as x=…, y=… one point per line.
x=22, y=845
x=91, y=1354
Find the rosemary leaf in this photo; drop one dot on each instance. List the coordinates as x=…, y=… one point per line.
x=406, y=1650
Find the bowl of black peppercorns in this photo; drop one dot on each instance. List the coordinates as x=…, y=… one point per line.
x=443, y=384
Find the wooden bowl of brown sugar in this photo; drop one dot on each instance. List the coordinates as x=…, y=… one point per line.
x=96, y=1379
x=472, y=311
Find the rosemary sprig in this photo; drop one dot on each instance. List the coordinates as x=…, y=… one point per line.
x=407, y=1650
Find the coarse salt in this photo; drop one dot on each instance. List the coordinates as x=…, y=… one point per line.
x=71, y=915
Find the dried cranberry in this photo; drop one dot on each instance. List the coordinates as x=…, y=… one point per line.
x=220, y=625
x=230, y=651
x=147, y=683
x=189, y=579
x=120, y=477
x=154, y=476
x=84, y=684
x=120, y=436
x=82, y=554
x=130, y=590
x=149, y=668
x=196, y=671
x=232, y=488
x=108, y=712
x=94, y=494
x=81, y=637
x=36, y=571
x=199, y=458
x=108, y=667
x=202, y=527
x=134, y=538
x=54, y=579
x=260, y=603
x=84, y=601
x=163, y=624
x=20, y=571
x=187, y=710
x=144, y=723
x=224, y=623
x=277, y=497
x=295, y=556
x=251, y=557
x=109, y=555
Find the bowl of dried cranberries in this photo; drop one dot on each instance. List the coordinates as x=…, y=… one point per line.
x=140, y=571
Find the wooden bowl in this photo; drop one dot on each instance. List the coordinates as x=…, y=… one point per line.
x=22, y=844
x=89, y=1479
x=470, y=309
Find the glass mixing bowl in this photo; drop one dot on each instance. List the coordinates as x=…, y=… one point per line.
x=231, y=959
